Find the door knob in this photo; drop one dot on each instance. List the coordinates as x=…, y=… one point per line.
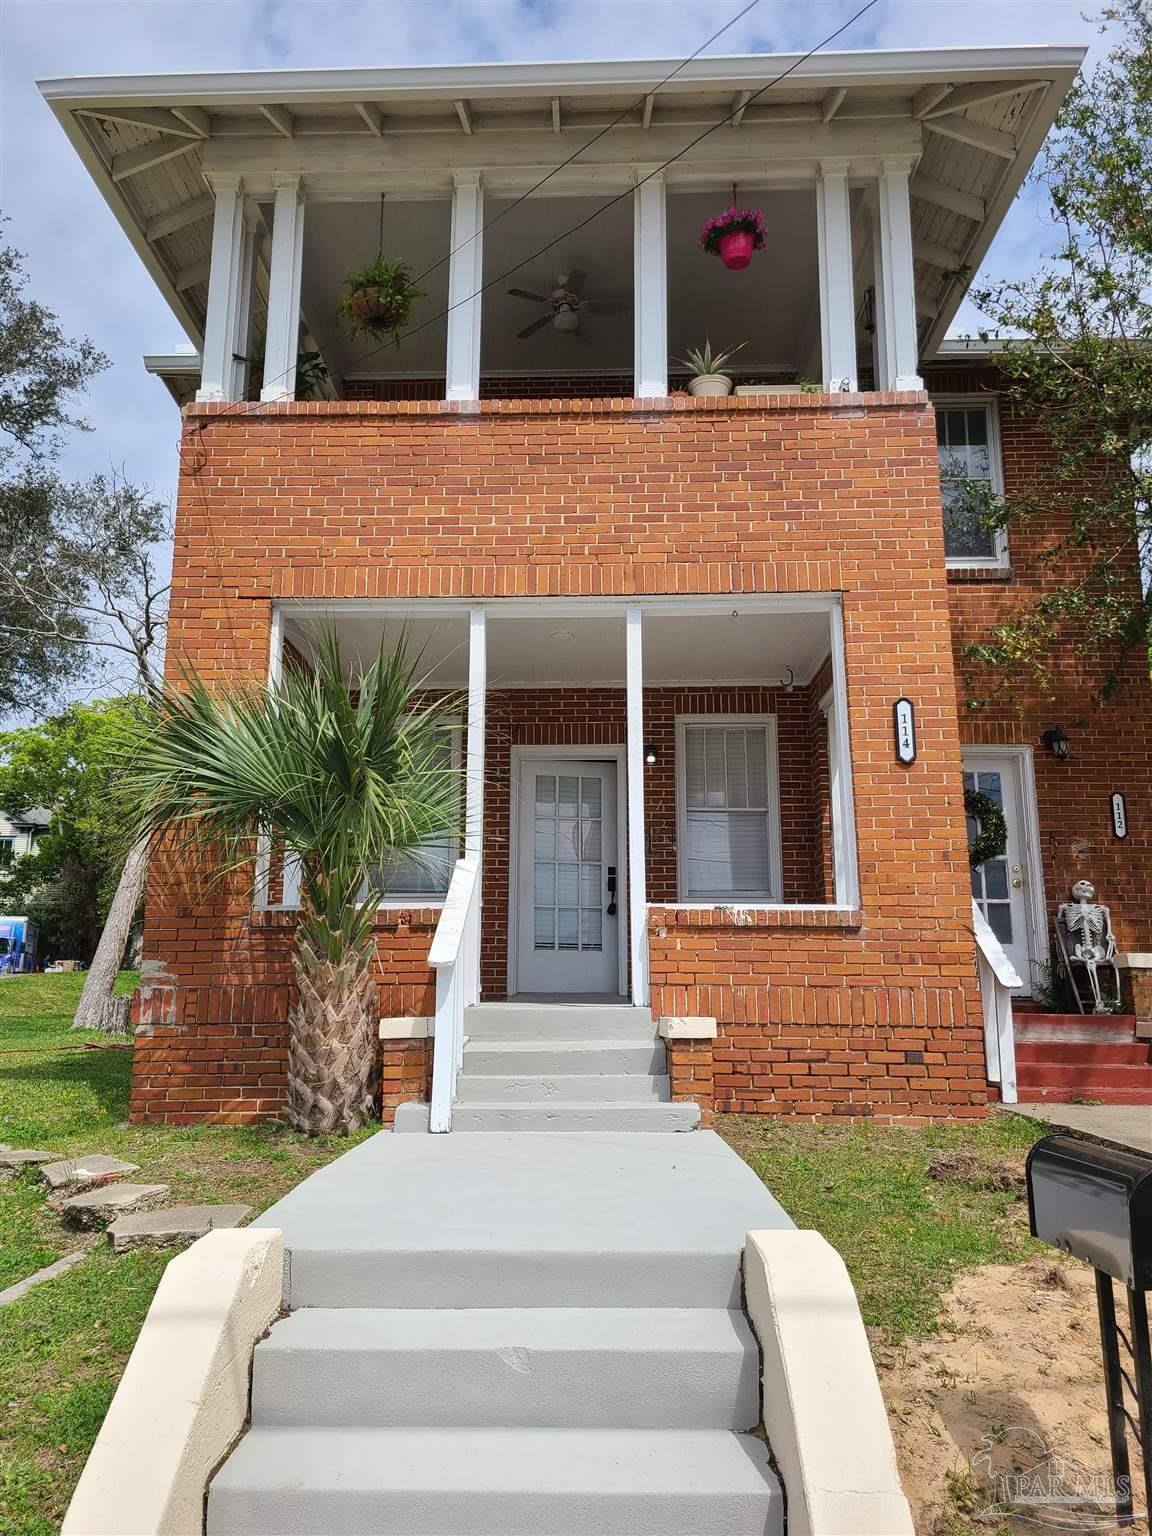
x=611, y=909
x=1017, y=883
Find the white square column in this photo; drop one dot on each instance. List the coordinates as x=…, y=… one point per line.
x=837, y=295
x=217, y=365
x=282, y=341
x=474, y=737
x=897, y=347
x=637, y=863
x=243, y=348
x=650, y=299
x=465, y=280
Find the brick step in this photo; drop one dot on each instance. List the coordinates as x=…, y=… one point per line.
x=1083, y=1053
x=1080, y=1080
x=1030, y=1093
x=1119, y=1028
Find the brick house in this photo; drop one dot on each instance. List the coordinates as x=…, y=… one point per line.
x=682, y=625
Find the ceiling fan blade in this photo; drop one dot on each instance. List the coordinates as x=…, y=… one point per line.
x=577, y=277
x=536, y=325
x=522, y=293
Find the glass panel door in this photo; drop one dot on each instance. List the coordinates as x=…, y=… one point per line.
x=569, y=880
x=1000, y=886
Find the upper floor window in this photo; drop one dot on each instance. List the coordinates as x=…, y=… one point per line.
x=968, y=443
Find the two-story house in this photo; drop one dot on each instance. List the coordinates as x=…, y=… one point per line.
x=712, y=648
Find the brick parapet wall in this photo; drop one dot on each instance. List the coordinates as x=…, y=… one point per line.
x=531, y=498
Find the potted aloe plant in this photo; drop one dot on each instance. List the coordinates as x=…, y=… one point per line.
x=378, y=298
x=707, y=369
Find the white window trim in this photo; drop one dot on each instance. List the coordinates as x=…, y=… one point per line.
x=991, y=407
x=775, y=861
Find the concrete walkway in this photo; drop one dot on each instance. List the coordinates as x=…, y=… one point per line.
x=503, y=1334
x=1120, y=1125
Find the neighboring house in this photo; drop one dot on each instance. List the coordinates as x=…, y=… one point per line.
x=18, y=835
x=683, y=624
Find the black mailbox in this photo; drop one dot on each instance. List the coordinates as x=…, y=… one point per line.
x=1094, y=1202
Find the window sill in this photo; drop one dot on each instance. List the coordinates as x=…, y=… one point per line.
x=391, y=915
x=965, y=574
x=683, y=915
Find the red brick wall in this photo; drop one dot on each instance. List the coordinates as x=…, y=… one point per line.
x=419, y=499
x=1111, y=739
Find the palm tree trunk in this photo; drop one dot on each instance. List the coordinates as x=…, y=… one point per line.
x=98, y=1008
x=333, y=1046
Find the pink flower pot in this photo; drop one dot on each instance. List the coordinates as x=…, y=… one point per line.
x=736, y=249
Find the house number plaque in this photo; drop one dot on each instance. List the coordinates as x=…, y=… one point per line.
x=904, y=726
x=1119, y=815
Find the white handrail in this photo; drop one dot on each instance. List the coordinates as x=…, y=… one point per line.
x=455, y=957
x=997, y=978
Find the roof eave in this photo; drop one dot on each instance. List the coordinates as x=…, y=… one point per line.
x=879, y=67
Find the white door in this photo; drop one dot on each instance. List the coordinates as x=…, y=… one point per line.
x=570, y=881
x=1001, y=886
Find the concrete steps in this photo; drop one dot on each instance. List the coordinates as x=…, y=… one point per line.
x=560, y=1067
x=558, y=1021
x=543, y=1367
x=496, y=1482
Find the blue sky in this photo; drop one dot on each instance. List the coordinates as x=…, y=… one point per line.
x=83, y=267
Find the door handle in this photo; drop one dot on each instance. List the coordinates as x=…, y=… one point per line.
x=611, y=908
x=1017, y=883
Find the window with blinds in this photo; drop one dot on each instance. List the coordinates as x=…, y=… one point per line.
x=969, y=472
x=427, y=869
x=726, y=787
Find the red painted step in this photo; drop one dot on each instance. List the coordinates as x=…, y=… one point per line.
x=1030, y=1094
x=1076, y=1053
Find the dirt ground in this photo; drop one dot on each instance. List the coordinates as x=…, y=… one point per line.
x=1013, y=1385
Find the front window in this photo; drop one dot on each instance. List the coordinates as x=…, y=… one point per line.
x=424, y=871
x=969, y=478
x=727, y=841
x=7, y=851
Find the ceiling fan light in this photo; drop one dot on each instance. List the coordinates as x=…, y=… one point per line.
x=566, y=319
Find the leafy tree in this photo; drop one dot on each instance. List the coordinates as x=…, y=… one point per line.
x=346, y=781
x=1080, y=361
x=69, y=764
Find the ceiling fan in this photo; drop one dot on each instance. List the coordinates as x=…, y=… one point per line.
x=565, y=304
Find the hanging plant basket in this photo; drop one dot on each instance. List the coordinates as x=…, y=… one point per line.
x=378, y=298
x=734, y=235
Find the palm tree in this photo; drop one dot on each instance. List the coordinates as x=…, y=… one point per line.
x=345, y=777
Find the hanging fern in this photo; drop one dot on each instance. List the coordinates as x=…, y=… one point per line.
x=992, y=836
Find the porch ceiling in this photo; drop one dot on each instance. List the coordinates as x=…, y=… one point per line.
x=980, y=115
x=727, y=647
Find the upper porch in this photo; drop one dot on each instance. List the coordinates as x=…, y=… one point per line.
x=549, y=214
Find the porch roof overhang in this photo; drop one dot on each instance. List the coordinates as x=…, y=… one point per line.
x=972, y=119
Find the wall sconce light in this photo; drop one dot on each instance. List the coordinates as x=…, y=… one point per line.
x=651, y=753
x=1056, y=740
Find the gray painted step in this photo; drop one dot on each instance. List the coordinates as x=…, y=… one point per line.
x=513, y=1057
x=558, y=1021
x=544, y=1367
x=561, y=1088
x=523, y=1221
x=488, y=1118
x=495, y=1482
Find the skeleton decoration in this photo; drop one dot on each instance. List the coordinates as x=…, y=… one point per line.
x=1088, y=949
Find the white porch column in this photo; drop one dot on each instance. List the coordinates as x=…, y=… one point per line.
x=474, y=740
x=837, y=296
x=282, y=342
x=637, y=869
x=897, y=349
x=243, y=347
x=465, y=280
x=650, y=300
x=217, y=370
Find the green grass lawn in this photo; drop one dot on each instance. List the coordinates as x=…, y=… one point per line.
x=63, y=1346
x=903, y=1234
